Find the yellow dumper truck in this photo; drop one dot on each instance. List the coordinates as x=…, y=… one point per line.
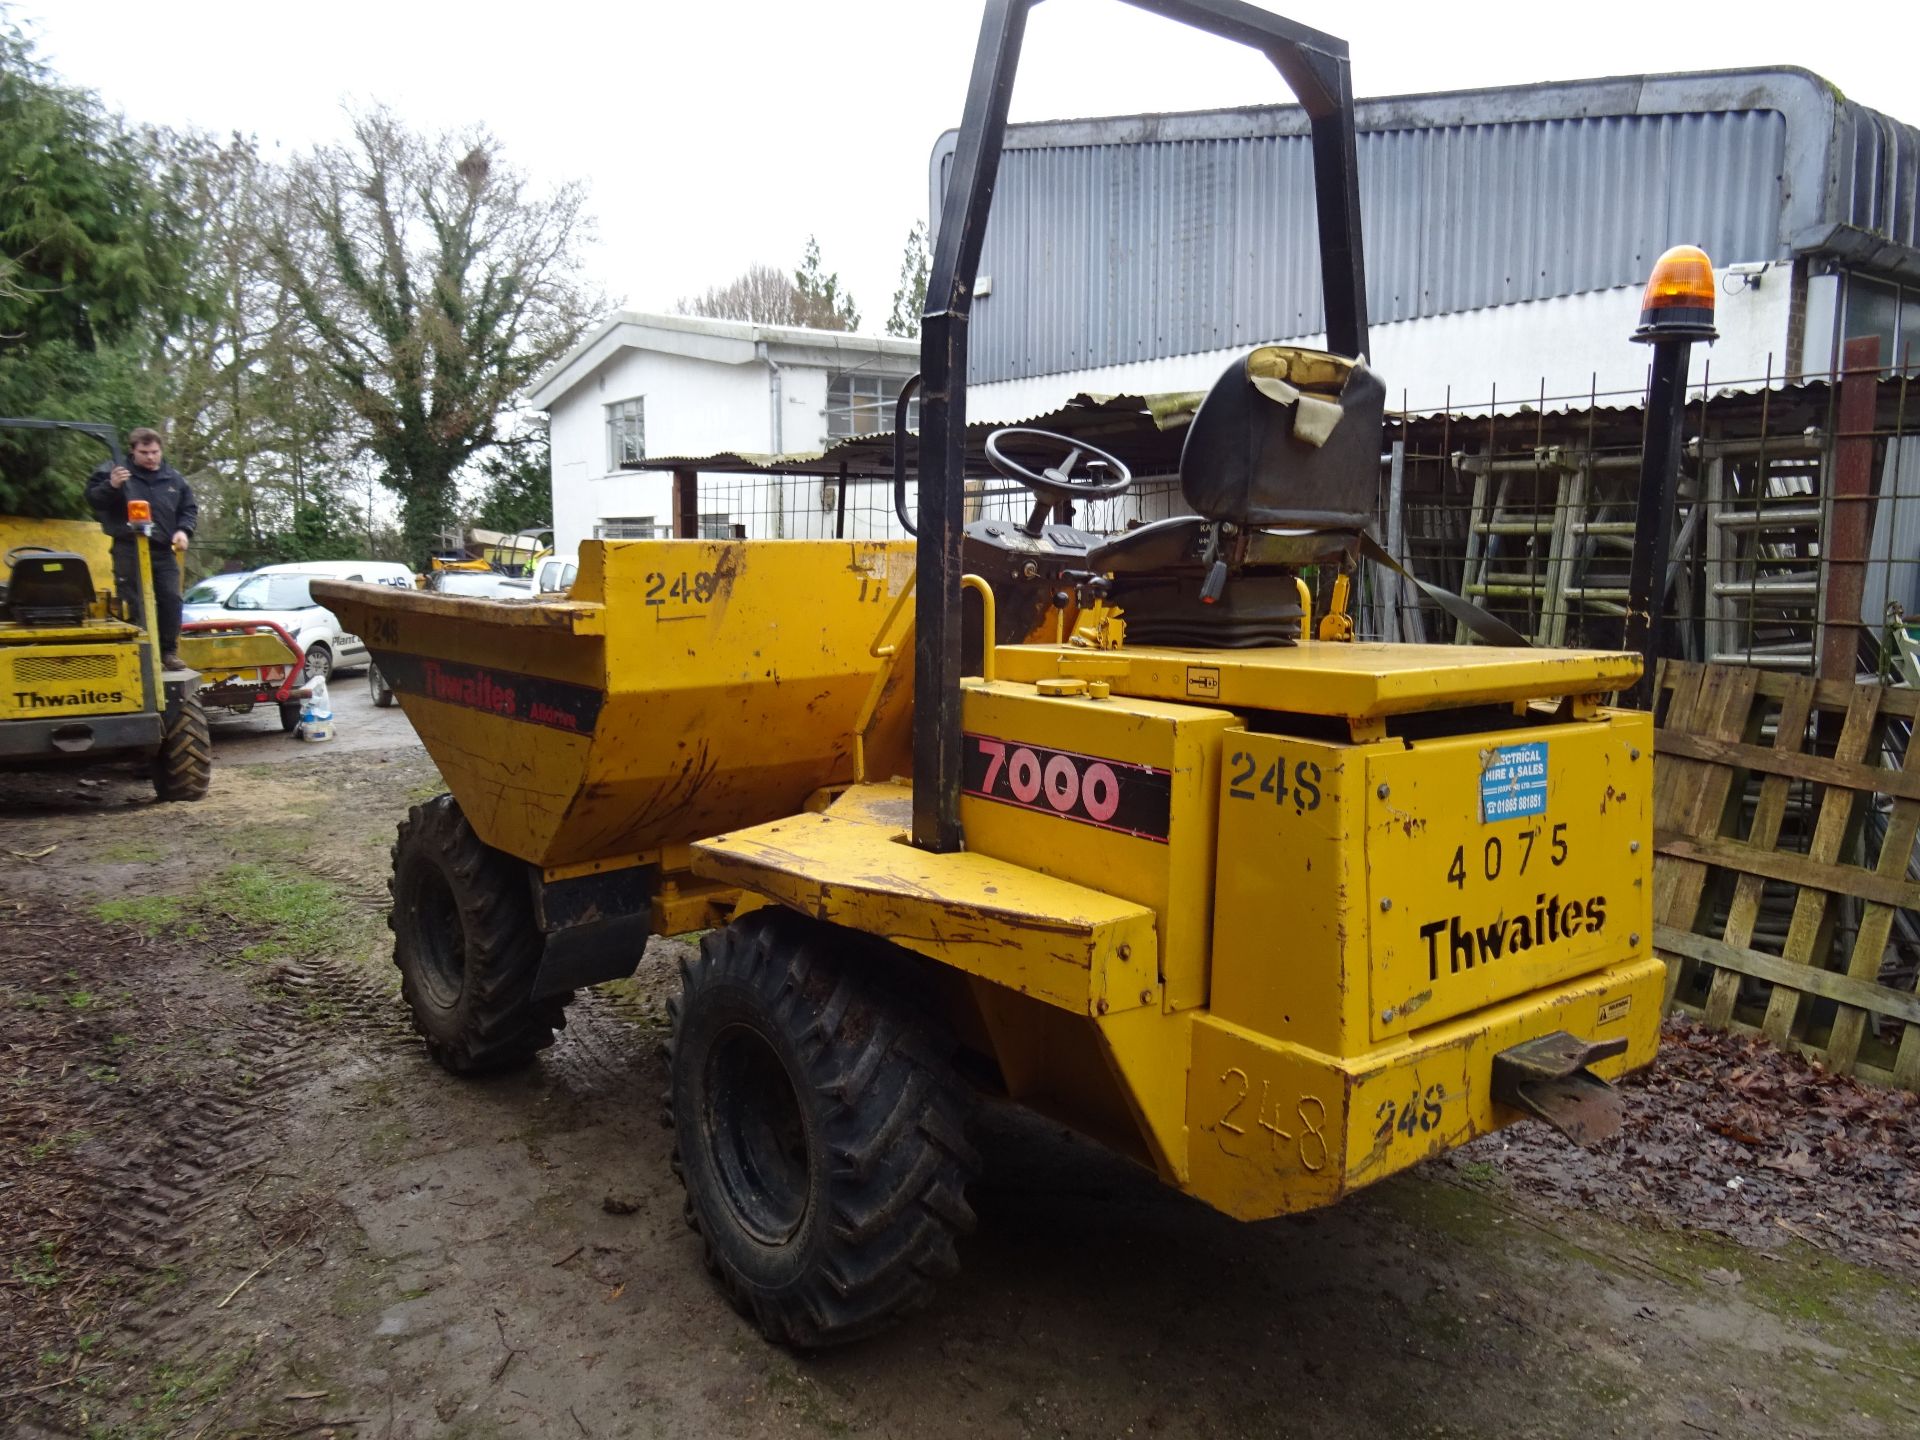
x=1275, y=915
x=80, y=675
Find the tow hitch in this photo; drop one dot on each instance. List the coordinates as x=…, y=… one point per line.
x=1548, y=1078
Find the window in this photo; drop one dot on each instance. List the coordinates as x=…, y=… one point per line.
x=629, y=527
x=861, y=403
x=626, y=432
x=1889, y=313
x=716, y=527
x=272, y=592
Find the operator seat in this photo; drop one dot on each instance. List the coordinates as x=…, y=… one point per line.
x=46, y=587
x=1280, y=465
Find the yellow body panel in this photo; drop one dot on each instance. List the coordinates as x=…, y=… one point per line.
x=43, y=681
x=686, y=688
x=1364, y=892
x=1171, y=874
x=81, y=537
x=218, y=656
x=1278, y=1128
x=1319, y=678
x=1072, y=947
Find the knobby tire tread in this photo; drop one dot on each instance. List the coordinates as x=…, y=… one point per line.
x=892, y=1112
x=497, y=1024
x=183, y=765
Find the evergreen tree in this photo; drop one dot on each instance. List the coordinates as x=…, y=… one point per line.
x=822, y=304
x=96, y=258
x=910, y=300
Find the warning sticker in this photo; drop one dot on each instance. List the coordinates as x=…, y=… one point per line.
x=1513, y=783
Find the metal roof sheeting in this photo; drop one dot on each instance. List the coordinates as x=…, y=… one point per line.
x=1113, y=241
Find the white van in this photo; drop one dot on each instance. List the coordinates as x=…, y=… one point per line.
x=374, y=572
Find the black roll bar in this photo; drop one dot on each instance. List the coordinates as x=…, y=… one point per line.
x=1315, y=67
x=105, y=434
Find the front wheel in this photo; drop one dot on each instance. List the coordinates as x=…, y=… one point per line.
x=377, y=686
x=319, y=661
x=467, y=946
x=820, y=1130
x=183, y=765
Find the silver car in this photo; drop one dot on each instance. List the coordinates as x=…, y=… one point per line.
x=208, y=598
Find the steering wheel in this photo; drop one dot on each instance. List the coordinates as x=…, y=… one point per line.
x=1058, y=484
x=28, y=550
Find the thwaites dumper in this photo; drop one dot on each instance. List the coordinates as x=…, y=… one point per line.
x=1275, y=915
x=80, y=678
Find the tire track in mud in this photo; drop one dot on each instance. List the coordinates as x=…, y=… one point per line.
x=196, y=1122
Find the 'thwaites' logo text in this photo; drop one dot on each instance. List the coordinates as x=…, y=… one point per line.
x=1456, y=945
x=74, y=700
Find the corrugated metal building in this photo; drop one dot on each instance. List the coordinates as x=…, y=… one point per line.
x=1506, y=232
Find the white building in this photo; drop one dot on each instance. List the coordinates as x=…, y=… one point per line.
x=645, y=386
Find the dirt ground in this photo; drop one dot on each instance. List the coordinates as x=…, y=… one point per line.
x=236, y=1200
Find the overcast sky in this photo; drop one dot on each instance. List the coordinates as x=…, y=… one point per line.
x=715, y=133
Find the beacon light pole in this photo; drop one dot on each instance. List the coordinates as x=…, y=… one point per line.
x=1675, y=311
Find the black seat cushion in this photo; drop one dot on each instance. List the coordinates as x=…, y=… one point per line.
x=1181, y=544
x=49, y=587
x=1287, y=437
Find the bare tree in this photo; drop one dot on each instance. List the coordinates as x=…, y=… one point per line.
x=807, y=297
x=434, y=287
x=763, y=295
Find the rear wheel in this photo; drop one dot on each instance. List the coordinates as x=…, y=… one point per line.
x=467, y=946
x=820, y=1130
x=289, y=716
x=183, y=765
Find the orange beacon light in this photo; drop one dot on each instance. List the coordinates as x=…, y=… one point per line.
x=1678, y=301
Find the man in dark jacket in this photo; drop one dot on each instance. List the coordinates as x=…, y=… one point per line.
x=175, y=514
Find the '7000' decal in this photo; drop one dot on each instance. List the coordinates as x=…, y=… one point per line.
x=1111, y=794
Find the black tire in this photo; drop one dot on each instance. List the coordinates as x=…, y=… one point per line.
x=319, y=661
x=183, y=765
x=467, y=946
x=289, y=716
x=820, y=1130
x=381, y=691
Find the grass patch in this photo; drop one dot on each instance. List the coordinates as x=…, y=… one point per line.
x=301, y=916
x=174, y=1393
x=39, y=1271
x=149, y=913
x=291, y=914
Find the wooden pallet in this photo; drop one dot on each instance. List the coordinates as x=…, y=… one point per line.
x=1797, y=756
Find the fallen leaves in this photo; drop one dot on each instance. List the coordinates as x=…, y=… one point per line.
x=1727, y=1134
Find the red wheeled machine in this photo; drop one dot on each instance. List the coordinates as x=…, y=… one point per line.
x=244, y=663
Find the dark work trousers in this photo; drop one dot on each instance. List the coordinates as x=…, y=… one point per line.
x=166, y=586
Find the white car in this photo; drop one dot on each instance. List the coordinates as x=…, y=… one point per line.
x=282, y=595
x=208, y=597
x=556, y=573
